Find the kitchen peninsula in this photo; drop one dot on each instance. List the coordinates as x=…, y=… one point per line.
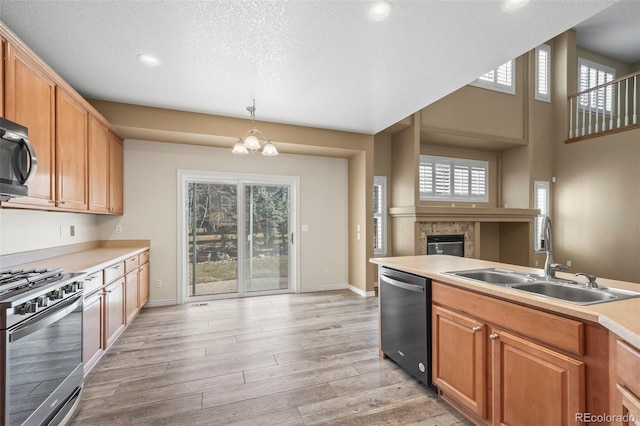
x=505, y=356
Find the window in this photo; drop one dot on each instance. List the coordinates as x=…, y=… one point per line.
x=380, y=215
x=502, y=79
x=540, y=201
x=543, y=73
x=592, y=74
x=456, y=179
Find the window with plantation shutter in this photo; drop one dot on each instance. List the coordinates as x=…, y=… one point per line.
x=456, y=179
x=590, y=75
x=543, y=71
x=541, y=202
x=502, y=79
x=379, y=215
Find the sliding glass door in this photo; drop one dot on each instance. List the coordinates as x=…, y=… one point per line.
x=238, y=237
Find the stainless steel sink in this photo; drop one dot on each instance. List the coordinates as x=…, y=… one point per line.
x=577, y=295
x=495, y=276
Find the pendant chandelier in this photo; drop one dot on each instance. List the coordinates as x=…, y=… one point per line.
x=254, y=139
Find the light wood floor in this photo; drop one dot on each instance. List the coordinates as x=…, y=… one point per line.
x=295, y=359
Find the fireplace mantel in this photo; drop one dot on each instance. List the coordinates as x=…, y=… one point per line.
x=465, y=214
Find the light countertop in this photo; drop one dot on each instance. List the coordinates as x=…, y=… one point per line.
x=621, y=317
x=88, y=261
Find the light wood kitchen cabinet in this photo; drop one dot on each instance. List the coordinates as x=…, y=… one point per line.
x=4, y=54
x=93, y=329
x=459, y=358
x=71, y=151
x=114, y=310
x=29, y=100
x=131, y=295
x=75, y=171
x=143, y=279
x=533, y=385
x=501, y=363
x=98, y=153
x=627, y=378
x=116, y=170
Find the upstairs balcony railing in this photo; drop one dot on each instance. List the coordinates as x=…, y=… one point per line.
x=608, y=108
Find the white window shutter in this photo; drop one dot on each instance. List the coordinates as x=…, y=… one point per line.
x=543, y=73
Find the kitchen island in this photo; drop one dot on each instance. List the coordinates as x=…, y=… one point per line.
x=504, y=356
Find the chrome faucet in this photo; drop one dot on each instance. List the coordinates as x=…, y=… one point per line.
x=550, y=267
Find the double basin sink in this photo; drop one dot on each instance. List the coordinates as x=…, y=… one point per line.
x=565, y=290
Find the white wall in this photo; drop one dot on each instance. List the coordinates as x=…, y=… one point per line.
x=150, y=176
x=25, y=230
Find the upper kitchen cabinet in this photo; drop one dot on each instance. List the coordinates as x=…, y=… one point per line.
x=30, y=95
x=116, y=171
x=71, y=151
x=99, y=147
x=79, y=153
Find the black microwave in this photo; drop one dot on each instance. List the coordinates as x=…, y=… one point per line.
x=17, y=160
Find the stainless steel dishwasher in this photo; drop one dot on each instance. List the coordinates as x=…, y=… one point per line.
x=405, y=321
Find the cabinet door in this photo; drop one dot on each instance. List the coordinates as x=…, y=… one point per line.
x=71, y=152
x=533, y=385
x=98, y=151
x=30, y=99
x=114, y=308
x=143, y=285
x=131, y=295
x=116, y=171
x=93, y=330
x=630, y=407
x=459, y=358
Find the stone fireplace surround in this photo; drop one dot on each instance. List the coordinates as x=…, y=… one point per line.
x=448, y=228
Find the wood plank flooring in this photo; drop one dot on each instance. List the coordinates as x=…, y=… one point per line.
x=294, y=359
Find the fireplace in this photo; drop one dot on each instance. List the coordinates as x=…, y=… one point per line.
x=446, y=244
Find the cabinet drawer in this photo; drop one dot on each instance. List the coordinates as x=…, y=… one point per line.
x=93, y=282
x=144, y=257
x=130, y=264
x=628, y=359
x=113, y=272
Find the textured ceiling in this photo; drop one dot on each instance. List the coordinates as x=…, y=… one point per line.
x=313, y=63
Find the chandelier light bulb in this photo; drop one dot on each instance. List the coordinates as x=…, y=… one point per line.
x=269, y=149
x=239, y=148
x=252, y=143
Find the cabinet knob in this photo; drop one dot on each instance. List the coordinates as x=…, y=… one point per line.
x=475, y=329
x=494, y=336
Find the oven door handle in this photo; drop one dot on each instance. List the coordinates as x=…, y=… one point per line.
x=400, y=284
x=50, y=318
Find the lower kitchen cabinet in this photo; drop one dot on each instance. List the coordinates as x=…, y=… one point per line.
x=114, y=296
x=459, y=358
x=533, y=385
x=114, y=310
x=500, y=363
x=93, y=330
x=131, y=295
x=143, y=283
x=627, y=383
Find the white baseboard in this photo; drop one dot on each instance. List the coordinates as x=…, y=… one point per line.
x=361, y=292
x=166, y=302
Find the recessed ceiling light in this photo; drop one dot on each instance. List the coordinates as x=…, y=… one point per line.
x=513, y=4
x=379, y=10
x=148, y=59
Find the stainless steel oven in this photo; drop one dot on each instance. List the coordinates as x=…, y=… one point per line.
x=41, y=344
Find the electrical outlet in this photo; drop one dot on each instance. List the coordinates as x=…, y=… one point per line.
x=326, y=271
x=568, y=264
x=118, y=229
x=537, y=263
x=72, y=231
x=64, y=232
x=158, y=283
